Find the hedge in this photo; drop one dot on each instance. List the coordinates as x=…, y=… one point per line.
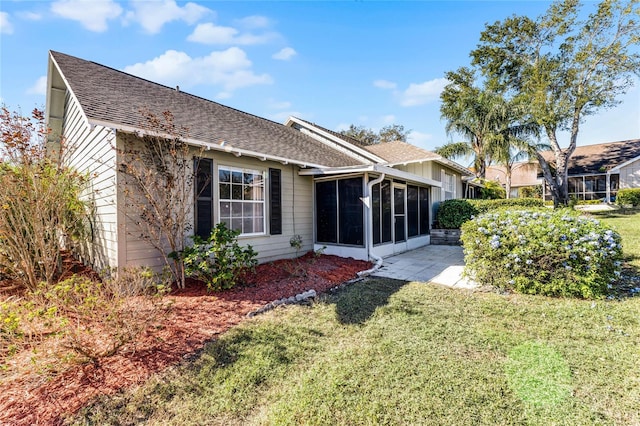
x=453, y=213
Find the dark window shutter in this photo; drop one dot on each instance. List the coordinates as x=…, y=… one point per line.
x=275, y=201
x=204, y=197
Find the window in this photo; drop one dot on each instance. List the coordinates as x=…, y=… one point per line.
x=417, y=210
x=242, y=199
x=381, y=204
x=424, y=210
x=339, y=212
x=449, y=186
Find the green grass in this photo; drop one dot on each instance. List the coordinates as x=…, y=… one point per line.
x=388, y=352
x=627, y=223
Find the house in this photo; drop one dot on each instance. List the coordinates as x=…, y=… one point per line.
x=596, y=172
x=524, y=174
x=268, y=180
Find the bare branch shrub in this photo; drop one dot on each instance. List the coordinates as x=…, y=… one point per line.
x=158, y=167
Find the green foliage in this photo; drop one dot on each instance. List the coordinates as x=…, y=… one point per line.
x=562, y=68
x=557, y=253
x=391, y=133
x=219, y=261
x=483, y=206
x=531, y=191
x=453, y=213
x=492, y=190
x=628, y=196
x=40, y=203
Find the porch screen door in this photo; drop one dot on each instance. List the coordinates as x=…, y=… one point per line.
x=399, y=213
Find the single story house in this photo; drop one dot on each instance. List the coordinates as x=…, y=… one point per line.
x=596, y=172
x=268, y=180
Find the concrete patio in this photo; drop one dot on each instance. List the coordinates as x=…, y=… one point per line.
x=436, y=264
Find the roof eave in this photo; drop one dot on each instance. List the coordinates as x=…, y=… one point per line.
x=375, y=168
x=209, y=146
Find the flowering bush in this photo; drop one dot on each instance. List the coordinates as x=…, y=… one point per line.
x=552, y=253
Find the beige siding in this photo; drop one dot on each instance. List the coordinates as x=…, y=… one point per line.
x=90, y=151
x=630, y=175
x=297, y=214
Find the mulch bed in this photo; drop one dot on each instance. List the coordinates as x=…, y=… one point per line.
x=195, y=318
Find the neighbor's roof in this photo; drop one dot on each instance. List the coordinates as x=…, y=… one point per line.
x=401, y=152
x=391, y=153
x=601, y=157
x=114, y=98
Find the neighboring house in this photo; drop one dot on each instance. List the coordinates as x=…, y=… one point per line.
x=523, y=175
x=268, y=180
x=596, y=172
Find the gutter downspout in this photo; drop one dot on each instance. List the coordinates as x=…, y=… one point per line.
x=378, y=259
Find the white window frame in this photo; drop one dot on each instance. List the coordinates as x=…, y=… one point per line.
x=221, y=200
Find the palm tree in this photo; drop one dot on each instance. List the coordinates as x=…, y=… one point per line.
x=511, y=143
x=474, y=113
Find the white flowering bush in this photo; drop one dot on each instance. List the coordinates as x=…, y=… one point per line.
x=552, y=253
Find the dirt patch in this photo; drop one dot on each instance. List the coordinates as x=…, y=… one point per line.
x=194, y=318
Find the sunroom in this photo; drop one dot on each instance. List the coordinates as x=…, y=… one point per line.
x=370, y=211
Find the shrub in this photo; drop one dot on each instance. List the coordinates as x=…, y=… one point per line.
x=492, y=190
x=530, y=191
x=483, y=206
x=552, y=253
x=453, y=213
x=219, y=261
x=39, y=200
x=99, y=320
x=628, y=196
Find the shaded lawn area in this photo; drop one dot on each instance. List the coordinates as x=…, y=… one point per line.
x=388, y=352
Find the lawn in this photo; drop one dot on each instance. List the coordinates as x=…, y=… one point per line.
x=389, y=352
x=627, y=223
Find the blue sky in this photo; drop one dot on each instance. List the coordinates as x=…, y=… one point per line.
x=368, y=63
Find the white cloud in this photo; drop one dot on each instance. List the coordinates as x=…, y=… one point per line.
x=230, y=69
x=30, y=16
x=282, y=116
x=39, y=87
x=279, y=105
x=418, y=138
x=210, y=33
x=422, y=93
x=5, y=25
x=385, y=84
x=153, y=15
x=388, y=119
x=285, y=54
x=254, y=22
x=93, y=15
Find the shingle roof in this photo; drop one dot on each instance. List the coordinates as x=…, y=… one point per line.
x=112, y=96
x=601, y=157
x=400, y=152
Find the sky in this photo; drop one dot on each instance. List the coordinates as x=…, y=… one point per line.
x=368, y=63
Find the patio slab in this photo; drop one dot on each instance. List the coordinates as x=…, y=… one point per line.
x=436, y=264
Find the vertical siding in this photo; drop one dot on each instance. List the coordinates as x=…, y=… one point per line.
x=89, y=151
x=630, y=175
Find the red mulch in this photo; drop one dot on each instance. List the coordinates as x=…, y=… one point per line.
x=195, y=318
